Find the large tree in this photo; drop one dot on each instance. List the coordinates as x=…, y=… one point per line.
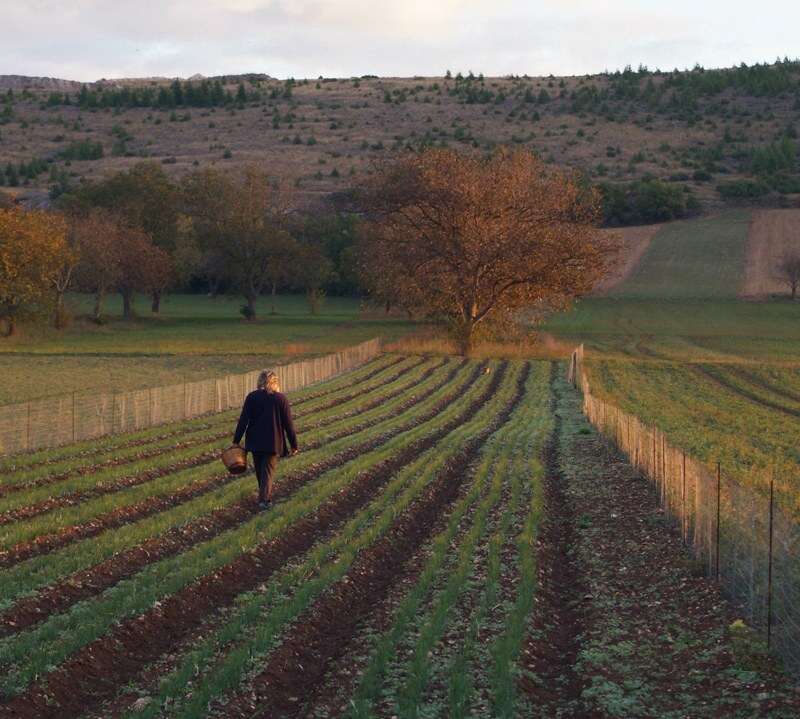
x=475, y=241
x=145, y=198
x=97, y=236
x=33, y=248
x=241, y=221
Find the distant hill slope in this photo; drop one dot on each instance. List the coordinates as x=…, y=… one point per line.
x=692, y=259
x=723, y=135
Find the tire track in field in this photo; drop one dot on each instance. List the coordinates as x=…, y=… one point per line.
x=70, y=499
x=153, y=505
x=86, y=470
x=296, y=670
x=754, y=379
x=98, y=670
x=15, y=470
x=94, y=580
x=725, y=383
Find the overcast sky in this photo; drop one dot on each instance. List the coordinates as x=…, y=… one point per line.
x=91, y=39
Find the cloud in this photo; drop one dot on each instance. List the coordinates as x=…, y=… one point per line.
x=88, y=39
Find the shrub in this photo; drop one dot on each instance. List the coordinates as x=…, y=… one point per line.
x=739, y=189
x=83, y=150
x=643, y=202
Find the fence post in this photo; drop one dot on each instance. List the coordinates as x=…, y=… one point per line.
x=769, y=570
x=719, y=496
x=684, y=522
x=150, y=403
x=73, y=416
x=185, y=412
x=28, y=428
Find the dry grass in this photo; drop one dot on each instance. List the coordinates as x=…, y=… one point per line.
x=772, y=233
x=351, y=126
x=429, y=341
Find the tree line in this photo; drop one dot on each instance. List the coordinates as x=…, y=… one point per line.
x=485, y=244
x=139, y=232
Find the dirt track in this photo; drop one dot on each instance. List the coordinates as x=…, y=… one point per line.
x=635, y=241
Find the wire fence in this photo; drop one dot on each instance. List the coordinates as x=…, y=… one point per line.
x=54, y=421
x=744, y=538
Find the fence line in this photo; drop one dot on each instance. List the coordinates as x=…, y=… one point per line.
x=742, y=537
x=79, y=416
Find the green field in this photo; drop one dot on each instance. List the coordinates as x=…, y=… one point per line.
x=692, y=259
x=673, y=346
x=680, y=303
x=194, y=337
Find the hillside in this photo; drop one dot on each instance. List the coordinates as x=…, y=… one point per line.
x=724, y=136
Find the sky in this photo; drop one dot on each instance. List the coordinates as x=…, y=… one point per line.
x=92, y=39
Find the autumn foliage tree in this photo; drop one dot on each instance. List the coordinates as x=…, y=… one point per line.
x=96, y=234
x=475, y=241
x=33, y=248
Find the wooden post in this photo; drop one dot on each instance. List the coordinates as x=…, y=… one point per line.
x=719, y=495
x=73, y=416
x=28, y=428
x=684, y=519
x=150, y=403
x=769, y=571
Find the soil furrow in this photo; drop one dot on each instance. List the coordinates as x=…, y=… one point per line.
x=148, y=507
x=89, y=451
x=551, y=684
x=81, y=495
x=69, y=499
x=92, y=581
x=98, y=670
x=296, y=670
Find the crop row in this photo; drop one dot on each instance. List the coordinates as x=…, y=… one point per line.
x=163, y=461
x=375, y=427
x=85, y=497
x=292, y=673
x=715, y=415
x=29, y=653
x=117, y=449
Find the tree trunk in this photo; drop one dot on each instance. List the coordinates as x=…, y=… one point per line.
x=213, y=287
x=251, y=307
x=464, y=336
x=274, y=288
x=127, y=304
x=58, y=314
x=98, y=306
x=155, y=305
x=8, y=326
x=794, y=290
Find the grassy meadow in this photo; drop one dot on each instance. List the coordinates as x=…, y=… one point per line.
x=193, y=337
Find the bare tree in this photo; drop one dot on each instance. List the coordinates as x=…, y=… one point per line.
x=788, y=271
x=474, y=240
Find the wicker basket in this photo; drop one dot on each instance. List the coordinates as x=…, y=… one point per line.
x=235, y=459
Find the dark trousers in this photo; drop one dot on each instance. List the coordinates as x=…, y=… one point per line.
x=265, y=465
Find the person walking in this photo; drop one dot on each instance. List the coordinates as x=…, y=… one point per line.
x=266, y=417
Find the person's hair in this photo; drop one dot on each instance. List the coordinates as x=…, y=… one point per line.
x=268, y=380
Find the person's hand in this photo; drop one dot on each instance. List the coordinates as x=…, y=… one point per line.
x=294, y=452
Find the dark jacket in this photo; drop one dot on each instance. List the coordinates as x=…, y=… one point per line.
x=265, y=418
